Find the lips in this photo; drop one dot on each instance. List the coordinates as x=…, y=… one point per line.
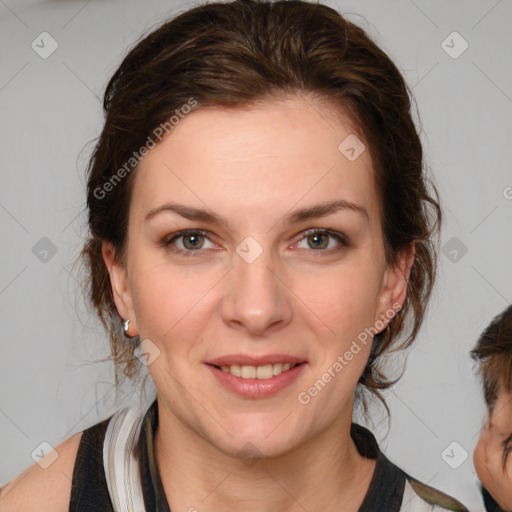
x=246, y=360
x=263, y=386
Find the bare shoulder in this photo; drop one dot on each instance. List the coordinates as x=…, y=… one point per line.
x=38, y=489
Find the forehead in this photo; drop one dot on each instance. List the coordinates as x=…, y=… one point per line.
x=280, y=152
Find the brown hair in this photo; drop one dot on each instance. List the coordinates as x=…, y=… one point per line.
x=236, y=55
x=493, y=352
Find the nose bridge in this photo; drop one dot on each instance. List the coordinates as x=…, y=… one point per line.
x=256, y=297
x=252, y=272
x=253, y=259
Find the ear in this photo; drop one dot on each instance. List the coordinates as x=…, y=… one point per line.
x=120, y=287
x=394, y=286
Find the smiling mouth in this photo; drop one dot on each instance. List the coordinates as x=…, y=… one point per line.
x=263, y=372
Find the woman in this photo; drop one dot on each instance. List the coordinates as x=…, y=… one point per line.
x=260, y=218
x=492, y=459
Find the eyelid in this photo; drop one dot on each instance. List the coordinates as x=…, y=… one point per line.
x=341, y=237
x=168, y=240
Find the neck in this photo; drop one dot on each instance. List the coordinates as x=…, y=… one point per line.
x=196, y=476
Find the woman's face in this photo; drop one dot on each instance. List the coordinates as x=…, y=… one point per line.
x=256, y=285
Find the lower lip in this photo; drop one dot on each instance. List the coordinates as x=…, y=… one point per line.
x=257, y=388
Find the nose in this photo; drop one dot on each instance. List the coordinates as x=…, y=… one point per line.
x=257, y=299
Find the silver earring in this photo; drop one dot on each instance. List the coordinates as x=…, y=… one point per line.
x=126, y=325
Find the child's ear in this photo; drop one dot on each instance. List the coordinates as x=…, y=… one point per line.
x=394, y=284
x=120, y=286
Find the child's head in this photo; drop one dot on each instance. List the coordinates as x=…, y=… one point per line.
x=493, y=352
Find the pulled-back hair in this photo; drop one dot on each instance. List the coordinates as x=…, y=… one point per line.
x=493, y=353
x=238, y=55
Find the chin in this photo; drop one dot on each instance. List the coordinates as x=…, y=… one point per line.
x=253, y=442
x=250, y=450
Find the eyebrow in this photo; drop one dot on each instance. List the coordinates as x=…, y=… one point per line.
x=311, y=212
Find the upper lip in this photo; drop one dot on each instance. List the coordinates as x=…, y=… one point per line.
x=245, y=360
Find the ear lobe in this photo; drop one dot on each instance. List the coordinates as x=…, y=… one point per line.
x=396, y=278
x=118, y=282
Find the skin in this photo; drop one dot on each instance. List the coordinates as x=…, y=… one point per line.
x=38, y=489
x=488, y=454
x=253, y=167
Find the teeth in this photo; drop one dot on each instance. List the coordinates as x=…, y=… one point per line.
x=248, y=372
x=266, y=371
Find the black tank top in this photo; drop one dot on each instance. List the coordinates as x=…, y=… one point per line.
x=89, y=491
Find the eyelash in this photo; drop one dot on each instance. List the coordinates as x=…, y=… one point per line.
x=342, y=239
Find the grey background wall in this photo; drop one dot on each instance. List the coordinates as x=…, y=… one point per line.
x=456, y=57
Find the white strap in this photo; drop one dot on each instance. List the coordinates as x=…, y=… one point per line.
x=120, y=463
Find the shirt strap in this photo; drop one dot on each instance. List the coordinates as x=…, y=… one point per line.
x=120, y=460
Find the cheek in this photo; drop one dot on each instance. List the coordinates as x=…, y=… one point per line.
x=479, y=461
x=339, y=315
x=485, y=464
x=344, y=299
x=172, y=304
